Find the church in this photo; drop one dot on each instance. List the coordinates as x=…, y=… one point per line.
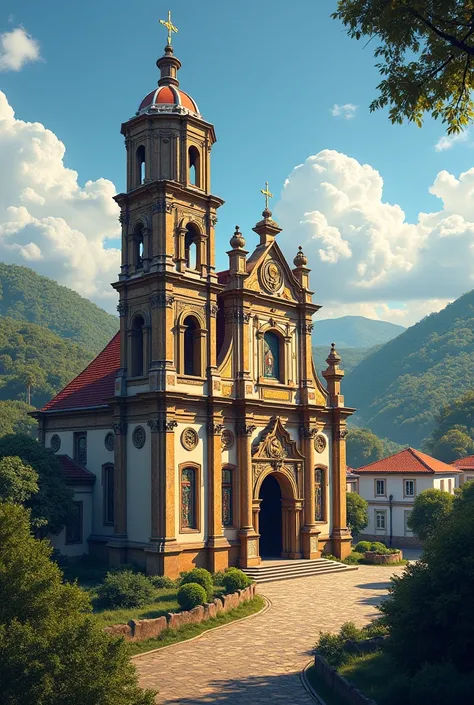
x=201, y=435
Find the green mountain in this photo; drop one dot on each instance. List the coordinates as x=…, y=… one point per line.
x=400, y=388
x=350, y=357
x=26, y=296
x=353, y=332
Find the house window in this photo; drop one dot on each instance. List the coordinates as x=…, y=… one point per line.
x=319, y=495
x=406, y=516
x=450, y=486
x=188, y=499
x=80, y=448
x=380, y=520
x=227, y=497
x=271, y=356
x=380, y=488
x=409, y=488
x=108, y=485
x=441, y=485
x=74, y=525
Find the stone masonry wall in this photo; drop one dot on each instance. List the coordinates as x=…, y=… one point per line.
x=342, y=687
x=140, y=629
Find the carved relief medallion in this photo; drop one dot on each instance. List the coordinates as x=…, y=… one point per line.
x=55, y=444
x=227, y=439
x=138, y=437
x=271, y=276
x=189, y=438
x=275, y=448
x=319, y=443
x=109, y=441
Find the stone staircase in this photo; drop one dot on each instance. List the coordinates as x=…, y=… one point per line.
x=271, y=570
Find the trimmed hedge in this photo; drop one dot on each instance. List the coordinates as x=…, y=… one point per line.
x=362, y=546
x=202, y=577
x=125, y=589
x=235, y=579
x=191, y=595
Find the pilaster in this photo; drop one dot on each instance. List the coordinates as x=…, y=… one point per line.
x=249, y=550
x=341, y=536
x=218, y=546
x=310, y=533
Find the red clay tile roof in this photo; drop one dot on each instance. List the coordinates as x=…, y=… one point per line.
x=93, y=385
x=168, y=95
x=464, y=463
x=408, y=461
x=74, y=473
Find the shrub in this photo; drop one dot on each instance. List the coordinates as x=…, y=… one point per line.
x=125, y=589
x=202, y=577
x=331, y=647
x=376, y=628
x=329, y=557
x=191, y=595
x=218, y=577
x=377, y=546
x=353, y=558
x=349, y=631
x=235, y=579
x=437, y=684
x=162, y=581
x=362, y=546
x=430, y=509
x=357, y=512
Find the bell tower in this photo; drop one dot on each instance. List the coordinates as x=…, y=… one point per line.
x=168, y=216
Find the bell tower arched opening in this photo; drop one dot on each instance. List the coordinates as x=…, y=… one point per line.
x=191, y=253
x=140, y=165
x=194, y=164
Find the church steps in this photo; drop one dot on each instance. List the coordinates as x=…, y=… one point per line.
x=295, y=569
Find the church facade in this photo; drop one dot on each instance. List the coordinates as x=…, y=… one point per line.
x=201, y=435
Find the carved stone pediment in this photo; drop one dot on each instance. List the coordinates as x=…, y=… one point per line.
x=275, y=444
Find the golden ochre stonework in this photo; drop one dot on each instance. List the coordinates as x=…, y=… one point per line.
x=281, y=394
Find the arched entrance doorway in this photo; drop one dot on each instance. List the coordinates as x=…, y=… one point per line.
x=270, y=518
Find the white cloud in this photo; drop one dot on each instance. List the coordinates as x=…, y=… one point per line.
x=346, y=111
x=366, y=258
x=16, y=49
x=447, y=141
x=47, y=220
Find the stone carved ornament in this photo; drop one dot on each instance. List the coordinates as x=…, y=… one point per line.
x=189, y=438
x=271, y=276
x=55, y=443
x=320, y=443
x=138, y=437
x=109, y=441
x=227, y=439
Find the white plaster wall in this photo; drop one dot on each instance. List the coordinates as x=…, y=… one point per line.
x=138, y=487
x=67, y=441
x=324, y=458
x=84, y=495
x=197, y=455
x=97, y=456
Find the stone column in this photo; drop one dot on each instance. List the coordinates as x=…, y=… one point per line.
x=249, y=550
x=341, y=536
x=218, y=546
x=310, y=531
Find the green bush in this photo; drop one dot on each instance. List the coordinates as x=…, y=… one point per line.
x=162, y=581
x=218, y=577
x=437, y=684
x=329, y=557
x=235, y=579
x=331, y=647
x=362, y=546
x=353, y=558
x=349, y=632
x=202, y=577
x=376, y=628
x=125, y=589
x=191, y=595
x=377, y=546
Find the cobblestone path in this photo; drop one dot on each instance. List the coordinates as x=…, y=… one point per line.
x=258, y=661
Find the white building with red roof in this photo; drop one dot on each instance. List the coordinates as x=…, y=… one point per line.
x=466, y=465
x=390, y=486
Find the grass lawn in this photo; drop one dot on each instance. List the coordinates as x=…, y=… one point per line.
x=172, y=636
x=164, y=602
x=323, y=690
x=372, y=674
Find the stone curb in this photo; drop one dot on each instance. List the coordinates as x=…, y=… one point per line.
x=268, y=606
x=307, y=685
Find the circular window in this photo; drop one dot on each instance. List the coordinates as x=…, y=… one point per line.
x=189, y=438
x=138, y=437
x=109, y=441
x=55, y=444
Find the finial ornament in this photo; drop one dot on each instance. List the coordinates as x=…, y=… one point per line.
x=267, y=194
x=169, y=26
x=237, y=240
x=300, y=260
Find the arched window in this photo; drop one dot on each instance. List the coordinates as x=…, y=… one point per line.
x=137, y=346
x=138, y=247
x=227, y=497
x=271, y=356
x=190, y=246
x=140, y=165
x=192, y=347
x=108, y=485
x=189, y=508
x=320, y=494
x=194, y=167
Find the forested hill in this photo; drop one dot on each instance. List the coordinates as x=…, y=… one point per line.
x=353, y=332
x=26, y=296
x=399, y=388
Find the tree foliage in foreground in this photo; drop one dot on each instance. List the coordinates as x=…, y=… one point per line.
x=429, y=607
x=357, y=512
x=18, y=482
x=429, y=509
x=425, y=55
x=52, y=652
x=453, y=434
x=51, y=506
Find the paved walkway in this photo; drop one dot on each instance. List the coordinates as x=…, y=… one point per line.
x=258, y=661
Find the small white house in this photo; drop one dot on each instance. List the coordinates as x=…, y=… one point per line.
x=466, y=465
x=390, y=486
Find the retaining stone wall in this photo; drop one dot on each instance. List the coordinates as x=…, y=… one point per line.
x=340, y=685
x=383, y=559
x=139, y=629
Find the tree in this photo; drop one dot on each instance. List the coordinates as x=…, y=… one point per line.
x=426, y=56
x=18, y=482
x=52, y=505
x=53, y=652
x=30, y=376
x=357, y=512
x=430, y=508
x=363, y=447
x=14, y=418
x=429, y=604
x=453, y=445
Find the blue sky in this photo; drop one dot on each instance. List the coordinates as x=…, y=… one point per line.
x=267, y=75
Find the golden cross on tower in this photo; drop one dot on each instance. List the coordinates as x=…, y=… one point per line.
x=266, y=193
x=169, y=26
